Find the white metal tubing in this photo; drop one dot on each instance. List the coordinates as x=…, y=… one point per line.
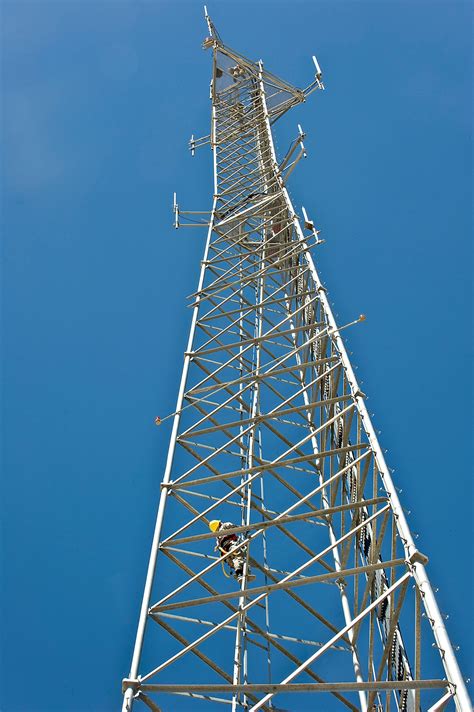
x=335, y=553
x=158, y=607
x=276, y=520
x=332, y=537
x=246, y=515
x=301, y=686
x=256, y=600
x=335, y=638
x=128, y=696
x=441, y=704
x=270, y=174
x=449, y=660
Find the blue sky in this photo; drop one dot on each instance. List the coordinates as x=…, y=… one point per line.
x=98, y=102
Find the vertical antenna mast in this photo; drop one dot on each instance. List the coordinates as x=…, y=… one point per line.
x=286, y=564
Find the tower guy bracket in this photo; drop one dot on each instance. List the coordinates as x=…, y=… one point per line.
x=189, y=218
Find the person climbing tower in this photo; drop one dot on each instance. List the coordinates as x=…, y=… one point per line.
x=226, y=543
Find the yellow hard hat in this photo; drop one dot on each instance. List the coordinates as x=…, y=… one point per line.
x=214, y=525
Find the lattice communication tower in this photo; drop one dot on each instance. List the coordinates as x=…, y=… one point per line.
x=271, y=433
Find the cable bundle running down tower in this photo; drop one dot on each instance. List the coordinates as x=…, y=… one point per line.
x=325, y=603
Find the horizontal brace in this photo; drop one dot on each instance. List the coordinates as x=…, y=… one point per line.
x=268, y=416
x=324, y=484
x=271, y=465
x=271, y=270
x=202, y=515
x=256, y=340
x=325, y=512
x=258, y=305
x=248, y=269
x=213, y=448
x=295, y=687
x=161, y=605
x=255, y=223
x=193, y=401
x=233, y=287
x=243, y=608
x=252, y=536
x=252, y=271
x=319, y=578
x=201, y=224
x=237, y=216
x=192, y=553
x=264, y=374
x=200, y=621
x=246, y=430
x=197, y=696
x=250, y=633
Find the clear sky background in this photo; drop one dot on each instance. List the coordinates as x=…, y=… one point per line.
x=99, y=99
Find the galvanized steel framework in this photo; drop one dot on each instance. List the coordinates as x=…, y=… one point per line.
x=271, y=432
